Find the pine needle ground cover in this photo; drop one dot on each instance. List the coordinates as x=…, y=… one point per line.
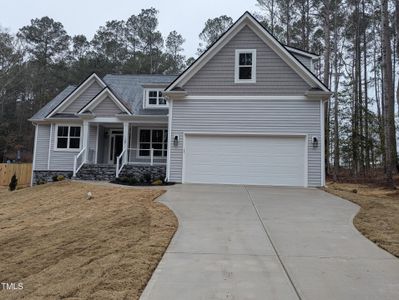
x=61, y=245
x=378, y=217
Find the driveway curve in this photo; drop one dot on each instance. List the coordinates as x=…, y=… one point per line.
x=248, y=242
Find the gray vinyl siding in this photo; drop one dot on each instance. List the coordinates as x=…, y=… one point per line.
x=107, y=108
x=62, y=160
x=87, y=95
x=42, y=143
x=249, y=116
x=102, y=146
x=92, y=144
x=304, y=60
x=273, y=75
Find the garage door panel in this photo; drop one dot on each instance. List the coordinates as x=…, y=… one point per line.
x=264, y=160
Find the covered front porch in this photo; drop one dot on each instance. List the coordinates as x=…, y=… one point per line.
x=143, y=143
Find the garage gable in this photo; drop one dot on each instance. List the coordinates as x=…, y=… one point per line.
x=273, y=75
x=250, y=23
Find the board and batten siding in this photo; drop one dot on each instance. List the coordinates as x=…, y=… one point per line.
x=107, y=108
x=84, y=98
x=247, y=116
x=42, y=145
x=273, y=75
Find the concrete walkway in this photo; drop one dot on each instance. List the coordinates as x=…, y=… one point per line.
x=239, y=242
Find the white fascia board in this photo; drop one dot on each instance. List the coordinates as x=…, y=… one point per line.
x=76, y=93
x=241, y=98
x=201, y=61
x=303, y=53
x=287, y=57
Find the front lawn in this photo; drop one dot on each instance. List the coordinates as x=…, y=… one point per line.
x=378, y=218
x=59, y=244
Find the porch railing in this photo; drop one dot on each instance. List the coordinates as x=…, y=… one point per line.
x=135, y=156
x=78, y=161
x=150, y=156
x=120, y=162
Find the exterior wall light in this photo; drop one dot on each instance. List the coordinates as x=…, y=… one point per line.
x=315, y=142
x=176, y=141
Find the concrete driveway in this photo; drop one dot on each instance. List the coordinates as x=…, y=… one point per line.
x=240, y=242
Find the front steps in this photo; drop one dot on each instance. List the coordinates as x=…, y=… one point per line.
x=97, y=172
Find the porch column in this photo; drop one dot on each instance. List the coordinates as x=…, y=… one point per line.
x=126, y=139
x=85, y=139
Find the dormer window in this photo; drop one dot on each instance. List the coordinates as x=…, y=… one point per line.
x=153, y=98
x=245, y=66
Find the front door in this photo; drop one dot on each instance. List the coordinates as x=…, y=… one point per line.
x=115, y=147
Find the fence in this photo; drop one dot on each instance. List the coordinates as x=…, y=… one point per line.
x=22, y=171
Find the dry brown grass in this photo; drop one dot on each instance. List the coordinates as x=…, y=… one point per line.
x=378, y=218
x=62, y=246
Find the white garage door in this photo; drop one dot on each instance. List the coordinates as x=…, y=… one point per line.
x=258, y=160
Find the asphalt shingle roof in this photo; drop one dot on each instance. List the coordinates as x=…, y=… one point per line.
x=128, y=88
x=45, y=110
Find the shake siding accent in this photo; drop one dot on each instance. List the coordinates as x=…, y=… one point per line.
x=41, y=151
x=273, y=75
x=91, y=91
x=303, y=59
x=107, y=108
x=254, y=116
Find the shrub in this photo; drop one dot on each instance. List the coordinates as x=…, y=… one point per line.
x=60, y=178
x=157, y=182
x=147, y=177
x=13, y=183
x=133, y=181
x=123, y=179
x=54, y=178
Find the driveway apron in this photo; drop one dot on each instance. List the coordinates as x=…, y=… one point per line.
x=249, y=242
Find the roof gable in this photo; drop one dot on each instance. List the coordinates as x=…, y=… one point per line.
x=273, y=75
x=82, y=87
x=51, y=105
x=108, y=96
x=248, y=20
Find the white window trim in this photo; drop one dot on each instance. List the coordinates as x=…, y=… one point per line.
x=236, y=66
x=138, y=143
x=67, y=149
x=146, y=100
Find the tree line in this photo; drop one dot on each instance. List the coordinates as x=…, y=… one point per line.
x=358, y=41
x=41, y=59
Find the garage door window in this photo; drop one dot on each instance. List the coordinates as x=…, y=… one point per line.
x=156, y=139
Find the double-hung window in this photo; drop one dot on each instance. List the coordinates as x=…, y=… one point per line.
x=153, y=98
x=156, y=139
x=245, y=66
x=68, y=137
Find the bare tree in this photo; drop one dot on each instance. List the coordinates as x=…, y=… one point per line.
x=388, y=108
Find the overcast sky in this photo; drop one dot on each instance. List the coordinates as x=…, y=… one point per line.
x=85, y=16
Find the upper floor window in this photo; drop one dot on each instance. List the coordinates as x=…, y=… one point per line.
x=245, y=66
x=153, y=98
x=68, y=137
